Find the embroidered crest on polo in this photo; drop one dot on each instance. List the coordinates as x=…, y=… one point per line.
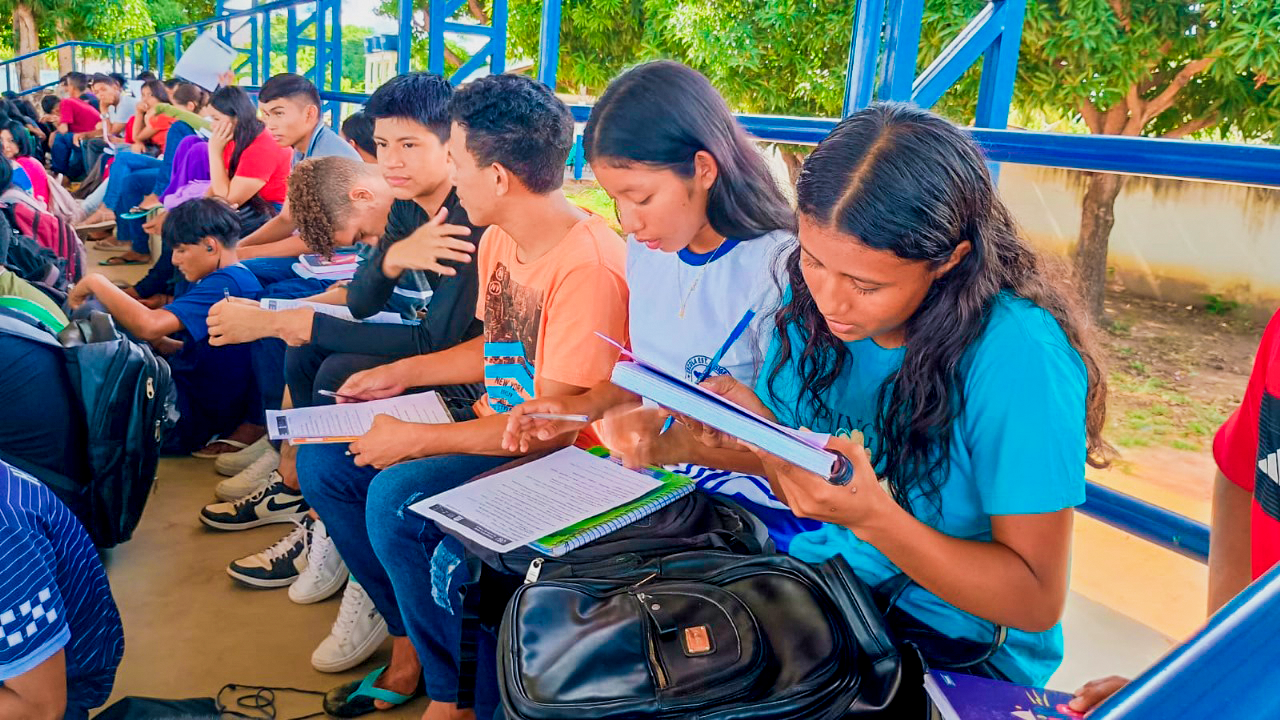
x=28, y=612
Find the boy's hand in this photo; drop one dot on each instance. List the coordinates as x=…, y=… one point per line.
x=523, y=430
x=234, y=321
x=374, y=384
x=81, y=292
x=389, y=441
x=1094, y=692
x=427, y=246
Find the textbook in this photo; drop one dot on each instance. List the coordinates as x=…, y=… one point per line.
x=345, y=423
x=339, y=311
x=553, y=504
x=803, y=449
x=965, y=697
x=339, y=264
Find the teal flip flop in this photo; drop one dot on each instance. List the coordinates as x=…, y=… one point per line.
x=135, y=214
x=356, y=698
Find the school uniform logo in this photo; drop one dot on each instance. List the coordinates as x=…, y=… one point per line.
x=512, y=317
x=1266, y=486
x=695, y=368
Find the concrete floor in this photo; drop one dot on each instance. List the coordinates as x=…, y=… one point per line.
x=190, y=628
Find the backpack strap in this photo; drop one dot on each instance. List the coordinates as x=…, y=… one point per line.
x=15, y=322
x=34, y=309
x=469, y=636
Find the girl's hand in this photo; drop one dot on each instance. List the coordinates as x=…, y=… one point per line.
x=637, y=439
x=428, y=246
x=860, y=503
x=1093, y=693
x=734, y=391
x=220, y=133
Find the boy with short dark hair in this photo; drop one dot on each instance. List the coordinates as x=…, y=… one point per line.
x=76, y=119
x=357, y=130
x=215, y=385
x=291, y=109
x=554, y=277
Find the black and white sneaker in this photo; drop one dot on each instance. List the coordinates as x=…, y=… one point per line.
x=278, y=565
x=272, y=503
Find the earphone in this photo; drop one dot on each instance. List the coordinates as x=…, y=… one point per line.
x=208, y=249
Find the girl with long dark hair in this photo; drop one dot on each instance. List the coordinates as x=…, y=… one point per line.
x=245, y=163
x=918, y=323
x=20, y=149
x=150, y=129
x=707, y=227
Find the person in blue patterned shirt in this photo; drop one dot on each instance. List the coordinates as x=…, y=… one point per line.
x=60, y=634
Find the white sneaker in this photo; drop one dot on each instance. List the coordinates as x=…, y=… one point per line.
x=325, y=573
x=356, y=634
x=279, y=565
x=252, y=477
x=229, y=464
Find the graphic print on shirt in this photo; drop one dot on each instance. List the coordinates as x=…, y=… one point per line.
x=1266, y=487
x=512, y=317
x=697, y=365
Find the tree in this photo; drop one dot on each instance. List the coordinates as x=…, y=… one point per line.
x=1157, y=68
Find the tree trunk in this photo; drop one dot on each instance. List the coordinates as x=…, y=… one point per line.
x=1097, y=217
x=64, y=58
x=24, y=30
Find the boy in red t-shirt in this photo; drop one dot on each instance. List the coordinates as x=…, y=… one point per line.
x=1244, y=539
x=77, y=120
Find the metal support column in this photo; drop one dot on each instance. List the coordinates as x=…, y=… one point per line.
x=549, y=43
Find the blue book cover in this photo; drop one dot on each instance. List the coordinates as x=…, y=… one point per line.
x=965, y=697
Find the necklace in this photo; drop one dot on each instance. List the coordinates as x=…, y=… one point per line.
x=698, y=278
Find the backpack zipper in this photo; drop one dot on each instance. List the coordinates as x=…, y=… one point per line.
x=535, y=570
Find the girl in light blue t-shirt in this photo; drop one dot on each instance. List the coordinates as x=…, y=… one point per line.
x=707, y=227
x=919, y=325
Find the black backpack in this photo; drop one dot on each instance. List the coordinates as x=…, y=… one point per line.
x=704, y=634
x=129, y=402
x=32, y=262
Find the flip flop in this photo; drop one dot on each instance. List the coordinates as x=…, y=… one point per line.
x=120, y=262
x=90, y=227
x=223, y=441
x=136, y=214
x=356, y=698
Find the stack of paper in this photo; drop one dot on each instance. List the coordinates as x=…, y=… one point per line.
x=553, y=504
x=338, y=311
x=346, y=423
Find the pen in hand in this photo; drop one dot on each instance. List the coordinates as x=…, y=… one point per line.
x=715, y=359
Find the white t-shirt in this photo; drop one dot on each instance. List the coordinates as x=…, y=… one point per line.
x=123, y=111
x=684, y=305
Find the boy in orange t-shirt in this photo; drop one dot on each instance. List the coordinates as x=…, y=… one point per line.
x=552, y=277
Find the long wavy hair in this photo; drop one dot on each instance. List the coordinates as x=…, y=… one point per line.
x=235, y=103
x=661, y=114
x=898, y=178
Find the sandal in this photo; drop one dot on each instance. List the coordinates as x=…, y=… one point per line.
x=356, y=698
x=136, y=213
x=119, y=261
x=108, y=244
x=205, y=454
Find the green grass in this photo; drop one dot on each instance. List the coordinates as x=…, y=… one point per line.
x=1149, y=412
x=597, y=201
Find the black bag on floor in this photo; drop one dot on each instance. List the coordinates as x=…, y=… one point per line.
x=129, y=401
x=708, y=635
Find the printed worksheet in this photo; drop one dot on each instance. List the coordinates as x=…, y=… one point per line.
x=339, y=311
x=515, y=507
x=348, y=421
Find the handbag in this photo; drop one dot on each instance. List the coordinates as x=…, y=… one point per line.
x=704, y=634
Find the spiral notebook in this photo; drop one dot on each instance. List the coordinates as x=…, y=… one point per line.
x=554, y=503
x=575, y=536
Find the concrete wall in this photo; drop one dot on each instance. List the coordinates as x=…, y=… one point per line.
x=1173, y=240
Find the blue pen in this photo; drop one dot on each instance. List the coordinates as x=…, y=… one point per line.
x=740, y=328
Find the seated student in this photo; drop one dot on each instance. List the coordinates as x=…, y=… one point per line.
x=215, y=385
x=118, y=104
x=1244, y=537
x=919, y=322
x=706, y=223
x=76, y=85
x=133, y=176
x=76, y=120
x=357, y=130
x=246, y=167
x=63, y=632
x=20, y=149
x=292, y=112
x=335, y=201
x=554, y=277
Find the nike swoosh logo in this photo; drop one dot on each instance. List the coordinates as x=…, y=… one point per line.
x=273, y=506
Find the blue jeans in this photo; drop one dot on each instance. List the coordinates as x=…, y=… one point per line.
x=133, y=175
x=65, y=157
x=391, y=551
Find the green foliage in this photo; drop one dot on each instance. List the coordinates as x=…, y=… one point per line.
x=115, y=20
x=353, y=37
x=598, y=39
x=176, y=13
x=1217, y=305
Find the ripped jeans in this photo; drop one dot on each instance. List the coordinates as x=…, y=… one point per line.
x=395, y=554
